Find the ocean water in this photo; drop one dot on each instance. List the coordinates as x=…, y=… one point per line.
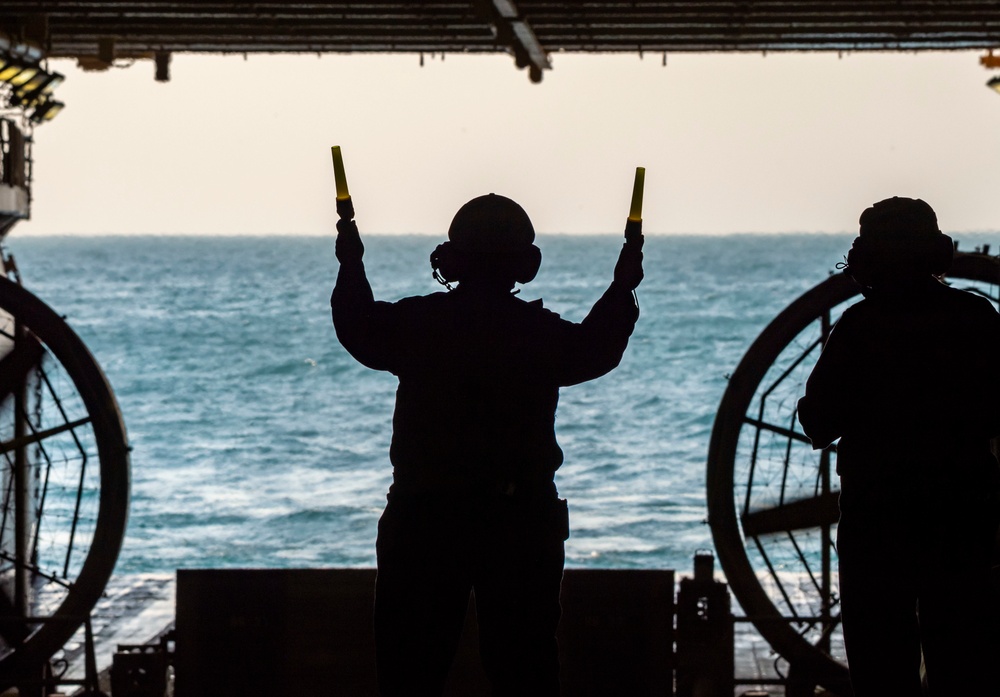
x=259, y=442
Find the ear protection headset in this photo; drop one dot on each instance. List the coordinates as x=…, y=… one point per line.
x=929, y=256
x=899, y=236
x=452, y=261
x=489, y=235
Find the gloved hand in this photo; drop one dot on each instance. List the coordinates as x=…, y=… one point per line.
x=349, y=247
x=628, y=270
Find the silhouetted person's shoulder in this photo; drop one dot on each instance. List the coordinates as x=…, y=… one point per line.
x=933, y=299
x=921, y=366
x=459, y=331
x=933, y=324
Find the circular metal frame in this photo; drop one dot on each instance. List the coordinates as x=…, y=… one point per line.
x=739, y=524
x=36, y=336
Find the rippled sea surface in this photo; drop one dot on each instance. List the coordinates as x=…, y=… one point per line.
x=258, y=441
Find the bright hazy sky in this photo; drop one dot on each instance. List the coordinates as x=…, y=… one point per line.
x=730, y=142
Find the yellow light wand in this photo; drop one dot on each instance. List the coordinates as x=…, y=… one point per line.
x=633, y=226
x=345, y=208
x=635, y=212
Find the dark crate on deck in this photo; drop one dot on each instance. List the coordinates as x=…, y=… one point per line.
x=309, y=631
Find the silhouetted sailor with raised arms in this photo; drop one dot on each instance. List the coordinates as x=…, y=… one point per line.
x=473, y=505
x=909, y=381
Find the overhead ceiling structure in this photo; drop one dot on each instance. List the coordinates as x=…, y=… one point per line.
x=96, y=32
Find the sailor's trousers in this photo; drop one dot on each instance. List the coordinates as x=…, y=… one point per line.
x=915, y=579
x=432, y=552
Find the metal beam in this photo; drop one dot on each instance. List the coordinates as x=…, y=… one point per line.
x=529, y=29
x=528, y=50
x=804, y=514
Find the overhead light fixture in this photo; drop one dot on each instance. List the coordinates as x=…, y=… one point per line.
x=12, y=71
x=46, y=111
x=31, y=86
x=23, y=76
x=994, y=83
x=8, y=69
x=36, y=90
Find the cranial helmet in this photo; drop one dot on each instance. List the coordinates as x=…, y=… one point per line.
x=490, y=235
x=899, y=239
